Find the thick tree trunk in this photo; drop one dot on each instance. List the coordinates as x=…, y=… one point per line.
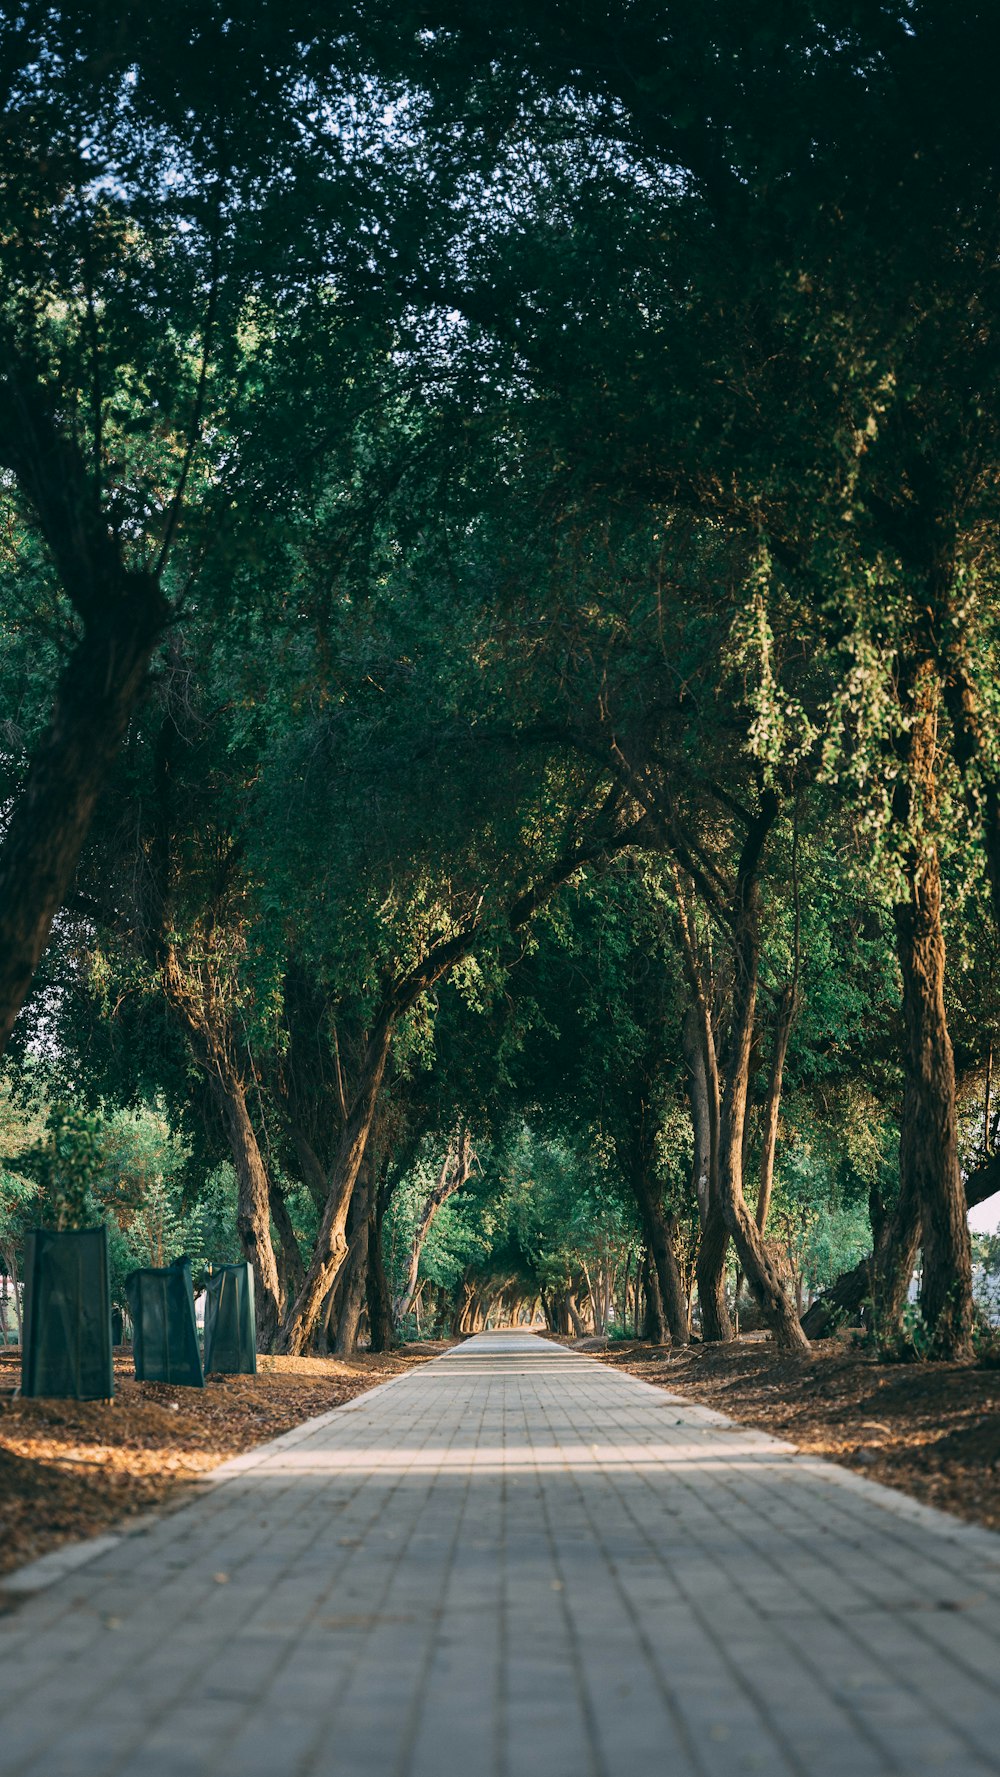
x=214, y=1051
x=930, y=1175
x=352, y=1299
x=655, y=1326
x=710, y=1275
x=982, y=788
x=379, y=1301
x=253, y=1199
x=49, y=821
x=761, y=1273
x=291, y=1270
x=659, y=1244
x=846, y=1296
x=899, y=1236
x=931, y=1195
x=331, y=1244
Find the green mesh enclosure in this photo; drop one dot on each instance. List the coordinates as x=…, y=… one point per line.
x=230, y=1333
x=164, y=1330
x=67, y=1315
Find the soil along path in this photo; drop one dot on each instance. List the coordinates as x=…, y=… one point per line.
x=932, y=1430
x=70, y=1469
x=516, y=1559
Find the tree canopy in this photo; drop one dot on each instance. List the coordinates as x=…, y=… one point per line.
x=500, y=758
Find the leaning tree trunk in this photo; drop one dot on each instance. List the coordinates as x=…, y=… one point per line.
x=784, y=1018
x=214, y=1051
x=463, y=1301
x=455, y=1172
x=253, y=1199
x=330, y=1250
x=761, y=1273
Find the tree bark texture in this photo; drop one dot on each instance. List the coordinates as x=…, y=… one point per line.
x=215, y=1053
x=353, y=1295
x=761, y=1272
x=783, y=1021
x=930, y=1174
x=704, y=1097
x=291, y=1270
x=660, y=1246
x=379, y=1299
x=253, y=1201
x=330, y=1250
x=931, y=1191
x=655, y=1326
x=849, y=1292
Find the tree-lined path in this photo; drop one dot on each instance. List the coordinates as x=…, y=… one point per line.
x=517, y=1560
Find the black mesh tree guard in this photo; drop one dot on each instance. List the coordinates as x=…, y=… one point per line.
x=67, y=1315
x=230, y=1333
x=164, y=1330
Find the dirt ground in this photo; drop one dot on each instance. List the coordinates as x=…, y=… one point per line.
x=73, y=1468
x=932, y=1430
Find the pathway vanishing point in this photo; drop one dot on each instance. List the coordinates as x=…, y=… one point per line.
x=516, y=1561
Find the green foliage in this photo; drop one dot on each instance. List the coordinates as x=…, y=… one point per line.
x=563, y=466
x=66, y=1165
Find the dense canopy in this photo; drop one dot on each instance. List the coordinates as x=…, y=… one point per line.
x=500, y=745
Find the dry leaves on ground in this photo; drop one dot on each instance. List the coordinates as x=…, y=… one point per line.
x=932, y=1430
x=73, y=1468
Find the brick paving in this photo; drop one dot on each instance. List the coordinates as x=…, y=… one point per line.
x=515, y=1561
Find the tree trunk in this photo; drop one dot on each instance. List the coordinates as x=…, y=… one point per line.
x=659, y=1244
x=291, y=1270
x=848, y=1293
x=455, y=1172
x=253, y=1199
x=655, y=1327
x=761, y=1273
x=898, y=1242
x=463, y=1301
x=930, y=1175
x=331, y=1244
x=352, y=1299
x=379, y=1302
x=982, y=789
x=215, y=1052
x=784, y=1018
x=704, y=1096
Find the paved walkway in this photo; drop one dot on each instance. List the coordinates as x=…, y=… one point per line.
x=517, y=1561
